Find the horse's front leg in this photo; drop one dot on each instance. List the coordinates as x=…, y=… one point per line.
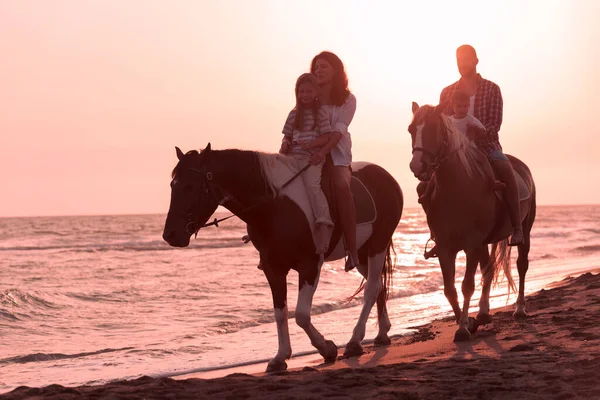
x=307, y=285
x=468, y=287
x=372, y=290
x=447, y=259
x=277, y=282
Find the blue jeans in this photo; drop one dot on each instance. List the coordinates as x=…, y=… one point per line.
x=497, y=155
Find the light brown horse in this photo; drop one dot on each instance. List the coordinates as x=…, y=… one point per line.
x=464, y=212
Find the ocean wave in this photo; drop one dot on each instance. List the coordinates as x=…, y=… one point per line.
x=38, y=357
x=553, y=234
x=267, y=317
x=8, y=316
x=18, y=299
x=593, y=248
x=591, y=230
x=49, y=233
x=156, y=245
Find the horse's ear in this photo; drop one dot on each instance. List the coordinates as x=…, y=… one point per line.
x=415, y=107
x=207, y=148
x=179, y=153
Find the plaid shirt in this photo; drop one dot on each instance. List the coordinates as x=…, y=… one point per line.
x=487, y=109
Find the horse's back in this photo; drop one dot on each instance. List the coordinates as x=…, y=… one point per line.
x=523, y=170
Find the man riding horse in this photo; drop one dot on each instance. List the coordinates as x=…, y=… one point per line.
x=485, y=105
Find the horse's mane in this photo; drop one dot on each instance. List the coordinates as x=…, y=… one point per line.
x=276, y=169
x=462, y=146
x=458, y=143
x=244, y=169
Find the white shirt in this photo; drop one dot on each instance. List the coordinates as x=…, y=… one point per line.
x=340, y=118
x=471, y=105
x=462, y=123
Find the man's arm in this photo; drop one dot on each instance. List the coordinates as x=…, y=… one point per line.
x=494, y=113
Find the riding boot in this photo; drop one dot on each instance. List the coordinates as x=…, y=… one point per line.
x=506, y=174
x=423, y=193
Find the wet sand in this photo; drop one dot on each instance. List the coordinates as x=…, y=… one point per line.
x=553, y=354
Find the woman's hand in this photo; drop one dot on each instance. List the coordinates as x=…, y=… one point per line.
x=317, y=158
x=306, y=145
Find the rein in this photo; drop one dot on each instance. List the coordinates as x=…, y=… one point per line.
x=216, y=221
x=440, y=155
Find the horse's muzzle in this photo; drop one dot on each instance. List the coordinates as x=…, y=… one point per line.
x=175, y=240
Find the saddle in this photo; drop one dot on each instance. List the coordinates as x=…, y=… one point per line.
x=366, y=213
x=524, y=192
x=363, y=201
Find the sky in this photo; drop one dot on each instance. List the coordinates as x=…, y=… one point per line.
x=95, y=94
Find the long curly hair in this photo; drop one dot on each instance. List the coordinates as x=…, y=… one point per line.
x=339, y=83
x=300, y=109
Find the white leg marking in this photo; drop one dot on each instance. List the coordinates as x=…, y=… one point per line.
x=303, y=309
x=283, y=334
x=372, y=289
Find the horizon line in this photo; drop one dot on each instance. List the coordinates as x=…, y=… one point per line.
x=225, y=211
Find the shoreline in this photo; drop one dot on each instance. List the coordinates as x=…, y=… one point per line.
x=555, y=353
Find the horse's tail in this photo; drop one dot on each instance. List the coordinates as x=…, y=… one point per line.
x=500, y=260
x=388, y=270
x=386, y=274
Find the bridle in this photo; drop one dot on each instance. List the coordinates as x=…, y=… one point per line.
x=439, y=156
x=193, y=225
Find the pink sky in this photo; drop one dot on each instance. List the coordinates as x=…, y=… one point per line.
x=94, y=95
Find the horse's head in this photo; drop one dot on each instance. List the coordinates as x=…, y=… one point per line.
x=193, y=199
x=429, y=139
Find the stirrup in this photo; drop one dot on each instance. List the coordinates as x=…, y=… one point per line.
x=427, y=254
x=350, y=265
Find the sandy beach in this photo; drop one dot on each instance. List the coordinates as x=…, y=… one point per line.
x=554, y=354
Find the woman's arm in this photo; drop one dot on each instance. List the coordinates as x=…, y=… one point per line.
x=319, y=156
x=346, y=115
x=341, y=126
x=318, y=142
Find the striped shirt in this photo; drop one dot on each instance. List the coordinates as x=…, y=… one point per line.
x=487, y=109
x=309, y=132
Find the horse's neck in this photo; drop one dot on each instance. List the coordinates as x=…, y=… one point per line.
x=453, y=181
x=238, y=175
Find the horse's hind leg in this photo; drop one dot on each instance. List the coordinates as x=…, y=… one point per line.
x=382, y=338
x=383, y=319
x=487, y=274
x=308, y=282
x=522, y=266
x=372, y=289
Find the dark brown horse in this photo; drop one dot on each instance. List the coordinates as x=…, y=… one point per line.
x=253, y=186
x=465, y=213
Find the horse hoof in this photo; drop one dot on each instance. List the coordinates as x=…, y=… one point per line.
x=383, y=340
x=353, y=349
x=276, y=366
x=331, y=351
x=520, y=315
x=462, y=335
x=484, y=318
x=473, y=325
